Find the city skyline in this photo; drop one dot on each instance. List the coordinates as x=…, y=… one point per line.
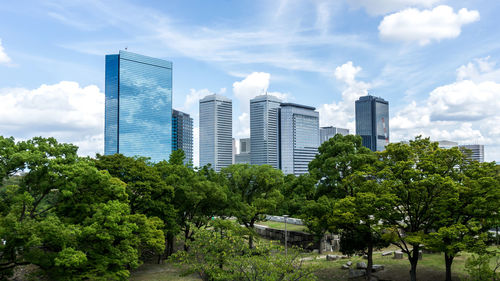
x=323, y=53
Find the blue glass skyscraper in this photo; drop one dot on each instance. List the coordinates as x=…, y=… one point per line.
x=138, y=106
x=372, y=122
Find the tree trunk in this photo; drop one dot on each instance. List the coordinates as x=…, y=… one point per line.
x=170, y=244
x=250, y=236
x=369, y=266
x=413, y=262
x=320, y=250
x=448, y=261
x=186, y=236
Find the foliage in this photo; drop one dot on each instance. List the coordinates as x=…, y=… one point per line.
x=67, y=217
x=479, y=266
x=253, y=192
x=219, y=253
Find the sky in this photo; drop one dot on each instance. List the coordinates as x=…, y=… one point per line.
x=437, y=62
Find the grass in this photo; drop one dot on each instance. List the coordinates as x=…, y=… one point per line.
x=281, y=225
x=161, y=272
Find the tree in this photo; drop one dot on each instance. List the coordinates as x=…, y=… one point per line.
x=473, y=212
x=198, y=196
x=67, y=217
x=339, y=158
x=253, y=192
x=148, y=192
x=219, y=253
x=419, y=176
x=296, y=191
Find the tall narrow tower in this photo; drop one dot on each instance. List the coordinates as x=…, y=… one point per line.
x=216, y=131
x=138, y=106
x=182, y=134
x=299, y=137
x=264, y=130
x=372, y=122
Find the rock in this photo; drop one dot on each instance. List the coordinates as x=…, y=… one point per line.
x=387, y=253
x=365, y=257
x=349, y=263
x=332, y=257
x=398, y=255
x=374, y=278
x=344, y=257
x=345, y=266
x=420, y=255
x=361, y=265
x=315, y=251
x=355, y=273
x=377, y=267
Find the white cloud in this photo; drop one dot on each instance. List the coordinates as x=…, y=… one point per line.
x=193, y=97
x=465, y=111
x=4, y=58
x=426, y=25
x=381, y=7
x=66, y=111
x=341, y=114
x=253, y=85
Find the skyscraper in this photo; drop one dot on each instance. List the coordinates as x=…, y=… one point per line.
x=182, y=134
x=244, y=154
x=216, y=130
x=264, y=130
x=372, y=122
x=473, y=151
x=326, y=133
x=299, y=137
x=138, y=106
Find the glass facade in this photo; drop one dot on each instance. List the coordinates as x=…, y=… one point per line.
x=182, y=134
x=139, y=106
x=372, y=122
x=216, y=131
x=264, y=130
x=327, y=133
x=299, y=137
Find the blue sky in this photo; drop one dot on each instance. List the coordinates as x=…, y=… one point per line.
x=436, y=61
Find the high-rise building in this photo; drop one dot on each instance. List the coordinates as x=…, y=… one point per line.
x=326, y=133
x=244, y=152
x=474, y=151
x=264, y=130
x=299, y=137
x=216, y=131
x=138, y=106
x=182, y=134
x=372, y=122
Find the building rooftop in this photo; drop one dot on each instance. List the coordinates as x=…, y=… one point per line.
x=264, y=98
x=145, y=59
x=214, y=97
x=297, y=105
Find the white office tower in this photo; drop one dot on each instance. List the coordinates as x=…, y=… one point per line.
x=264, y=130
x=299, y=137
x=216, y=131
x=327, y=133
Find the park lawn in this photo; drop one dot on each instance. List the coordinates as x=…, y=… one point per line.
x=281, y=225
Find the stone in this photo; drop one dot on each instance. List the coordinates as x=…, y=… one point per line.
x=349, y=263
x=344, y=257
x=420, y=255
x=387, y=253
x=398, y=255
x=365, y=257
x=377, y=267
x=361, y=265
x=315, y=251
x=332, y=257
x=355, y=273
x=345, y=266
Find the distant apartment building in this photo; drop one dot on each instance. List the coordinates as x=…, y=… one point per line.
x=372, y=122
x=264, y=130
x=216, y=128
x=326, y=133
x=299, y=125
x=182, y=134
x=243, y=157
x=138, y=106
